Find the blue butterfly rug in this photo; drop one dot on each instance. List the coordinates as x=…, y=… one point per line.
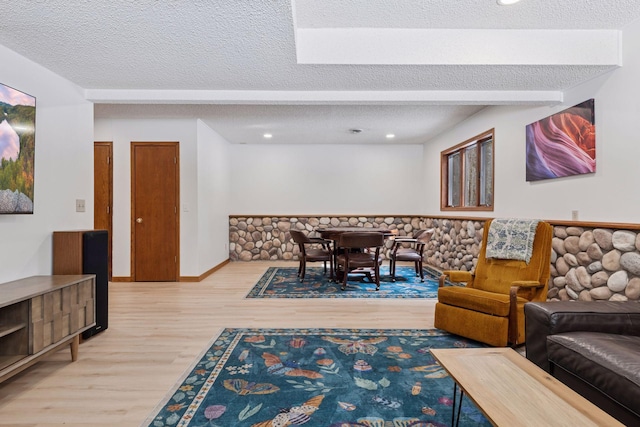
x=283, y=282
x=318, y=377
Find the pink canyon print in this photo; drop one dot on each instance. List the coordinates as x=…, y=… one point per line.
x=562, y=144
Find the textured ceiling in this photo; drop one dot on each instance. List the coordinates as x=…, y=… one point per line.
x=210, y=54
x=304, y=124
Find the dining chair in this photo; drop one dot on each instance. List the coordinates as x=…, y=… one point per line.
x=312, y=249
x=360, y=255
x=410, y=249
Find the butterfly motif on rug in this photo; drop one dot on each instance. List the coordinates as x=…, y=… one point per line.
x=296, y=415
x=244, y=387
x=365, y=346
x=290, y=368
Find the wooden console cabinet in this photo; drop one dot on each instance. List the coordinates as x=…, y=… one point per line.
x=40, y=314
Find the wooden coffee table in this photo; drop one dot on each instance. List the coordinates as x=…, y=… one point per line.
x=512, y=391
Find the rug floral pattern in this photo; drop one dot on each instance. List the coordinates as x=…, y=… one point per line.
x=318, y=377
x=283, y=282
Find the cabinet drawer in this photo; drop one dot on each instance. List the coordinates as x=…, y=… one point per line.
x=59, y=313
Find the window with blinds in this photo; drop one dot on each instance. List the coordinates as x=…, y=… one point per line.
x=467, y=174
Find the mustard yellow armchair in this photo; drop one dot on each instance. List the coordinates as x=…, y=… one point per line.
x=490, y=308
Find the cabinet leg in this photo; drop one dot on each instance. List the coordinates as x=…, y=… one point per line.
x=74, y=348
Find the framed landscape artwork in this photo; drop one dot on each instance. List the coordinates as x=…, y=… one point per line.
x=17, y=150
x=562, y=144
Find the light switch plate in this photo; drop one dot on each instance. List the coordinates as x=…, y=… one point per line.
x=80, y=205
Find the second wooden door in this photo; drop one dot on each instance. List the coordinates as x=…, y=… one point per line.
x=155, y=214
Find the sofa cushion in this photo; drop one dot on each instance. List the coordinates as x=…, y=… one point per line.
x=609, y=362
x=554, y=317
x=477, y=300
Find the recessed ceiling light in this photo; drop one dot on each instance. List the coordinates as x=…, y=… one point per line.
x=506, y=2
x=390, y=136
x=268, y=135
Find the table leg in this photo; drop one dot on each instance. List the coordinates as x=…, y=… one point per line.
x=455, y=412
x=75, y=343
x=453, y=407
x=337, y=275
x=459, y=407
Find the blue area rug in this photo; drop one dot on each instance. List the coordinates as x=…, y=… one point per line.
x=318, y=377
x=283, y=282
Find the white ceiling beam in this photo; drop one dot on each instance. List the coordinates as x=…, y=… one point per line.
x=401, y=46
x=109, y=96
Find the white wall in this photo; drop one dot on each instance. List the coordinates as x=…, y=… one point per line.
x=213, y=198
x=63, y=168
x=204, y=189
x=122, y=132
x=326, y=179
x=608, y=195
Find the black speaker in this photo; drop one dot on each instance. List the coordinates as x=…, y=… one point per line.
x=95, y=260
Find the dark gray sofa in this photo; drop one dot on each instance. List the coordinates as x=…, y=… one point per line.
x=593, y=347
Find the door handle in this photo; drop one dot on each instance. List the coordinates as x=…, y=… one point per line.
x=139, y=220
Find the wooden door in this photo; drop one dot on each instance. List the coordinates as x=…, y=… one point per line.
x=103, y=190
x=154, y=211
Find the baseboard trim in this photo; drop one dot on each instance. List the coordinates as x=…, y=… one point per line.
x=182, y=278
x=205, y=274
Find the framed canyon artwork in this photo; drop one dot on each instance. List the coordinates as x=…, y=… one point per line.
x=17, y=150
x=563, y=144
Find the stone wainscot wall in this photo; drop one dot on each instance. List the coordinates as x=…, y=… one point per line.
x=589, y=261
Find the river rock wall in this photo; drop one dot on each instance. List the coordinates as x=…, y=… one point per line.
x=595, y=264
x=455, y=244
x=269, y=238
x=586, y=263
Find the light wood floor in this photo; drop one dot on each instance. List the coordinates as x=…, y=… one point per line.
x=156, y=330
